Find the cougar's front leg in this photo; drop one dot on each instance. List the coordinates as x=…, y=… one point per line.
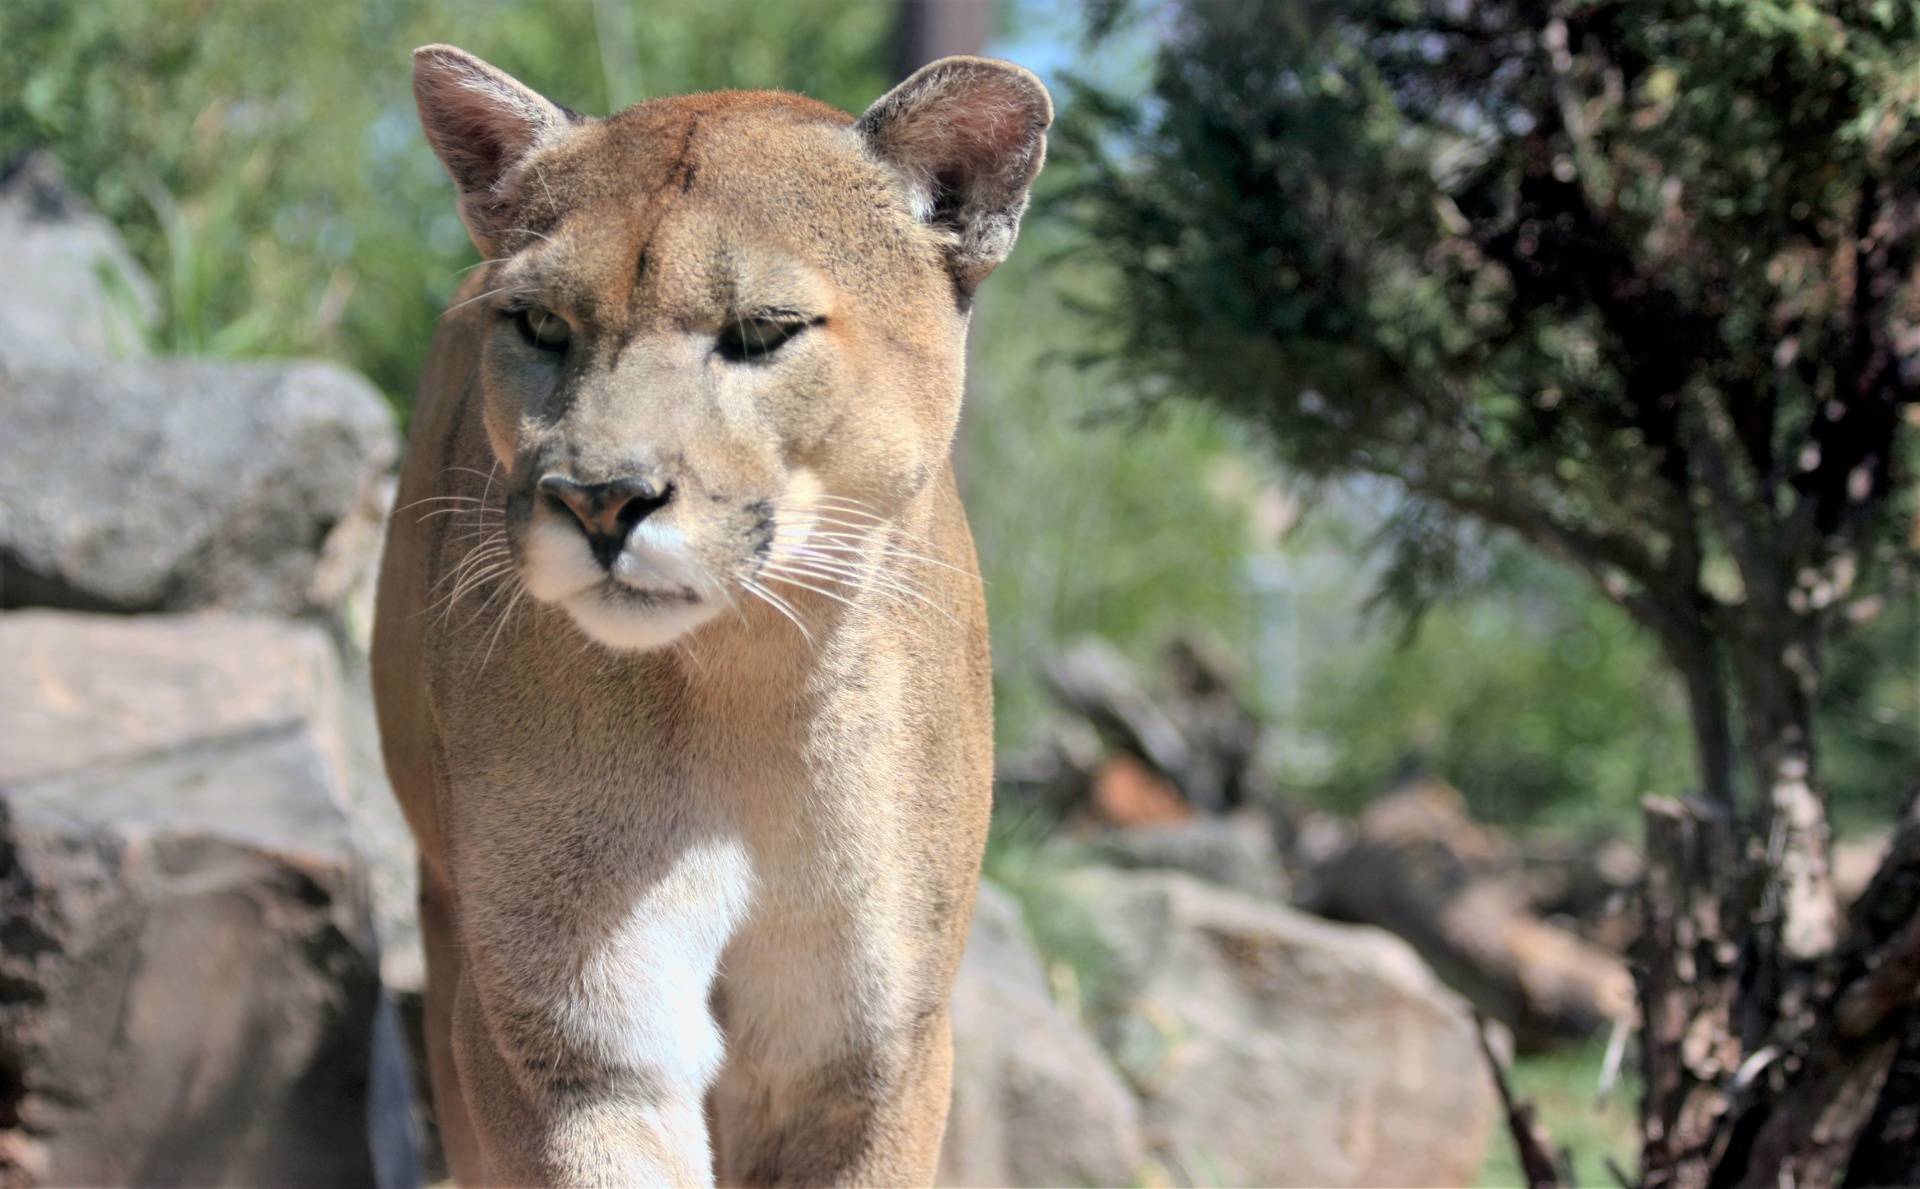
x=840, y=1053
x=871, y=1117
x=582, y=1037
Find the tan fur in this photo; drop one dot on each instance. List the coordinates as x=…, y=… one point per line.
x=694, y=909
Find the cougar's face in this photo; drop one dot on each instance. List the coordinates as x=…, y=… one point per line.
x=718, y=350
x=721, y=335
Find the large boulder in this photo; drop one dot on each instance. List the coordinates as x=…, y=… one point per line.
x=1273, y=1048
x=73, y=293
x=1235, y=849
x=1035, y=1101
x=182, y=485
x=189, y=986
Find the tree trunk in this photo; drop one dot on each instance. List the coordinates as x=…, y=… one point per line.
x=1688, y=994
x=1831, y=1087
x=1890, y=1152
x=930, y=29
x=1705, y=683
x=1794, y=912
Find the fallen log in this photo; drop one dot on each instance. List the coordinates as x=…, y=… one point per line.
x=1417, y=866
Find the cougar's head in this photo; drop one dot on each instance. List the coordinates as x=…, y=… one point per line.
x=721, y=329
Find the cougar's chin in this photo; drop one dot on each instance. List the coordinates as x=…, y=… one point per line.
x=634, y=619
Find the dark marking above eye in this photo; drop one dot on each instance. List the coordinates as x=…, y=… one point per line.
x=685, y=165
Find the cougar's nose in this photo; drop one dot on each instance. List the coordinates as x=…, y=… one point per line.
x=607, y=512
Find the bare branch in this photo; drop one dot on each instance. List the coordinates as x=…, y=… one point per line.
x=1544, y=1164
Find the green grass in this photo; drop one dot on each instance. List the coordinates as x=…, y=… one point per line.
x=1028, y=865
x=1562, y=1087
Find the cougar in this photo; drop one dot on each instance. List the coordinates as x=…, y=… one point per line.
x=681, y=652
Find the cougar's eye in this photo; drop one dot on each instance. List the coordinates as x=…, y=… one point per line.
x=748, y=339
x=543, y=328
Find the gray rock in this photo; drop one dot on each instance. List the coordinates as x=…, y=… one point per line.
x=1274, y=1048
x=391, y=859
x=1236, y=850
x=189, y=986
x=380, y=833
x=185, y=485
x=1035, y=1101
x=73, y=293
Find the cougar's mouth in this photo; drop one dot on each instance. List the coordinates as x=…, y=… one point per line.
x=636, y=618
x=643, y=597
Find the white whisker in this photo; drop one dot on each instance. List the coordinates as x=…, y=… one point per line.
x=500, y=627
x=861, y=574
x=685, y=649
x=476, y=512
x=782, y=576
x=476, y=297
x=486, y=603
x=778, y=604
x=439, y=499
x=469, y=584
x=846, y=544
x=475, y=579
x=486, y=551
x=778, y=572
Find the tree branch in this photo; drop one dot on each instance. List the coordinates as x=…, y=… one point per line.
x=1850, y=439
x=1543, y=1162
x=1747, y=524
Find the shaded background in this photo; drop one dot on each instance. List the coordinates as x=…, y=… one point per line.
x=263, y=164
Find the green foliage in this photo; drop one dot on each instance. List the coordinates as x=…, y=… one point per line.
x=1631, y=280
x=265, y=164
x=1526, y=690
x=1088, y=520
x=1870, y=716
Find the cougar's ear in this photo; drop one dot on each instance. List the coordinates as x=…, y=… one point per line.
x=481, y=122
x=969, y=135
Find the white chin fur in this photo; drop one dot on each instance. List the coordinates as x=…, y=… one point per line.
x=558, y=563
x=605, y=616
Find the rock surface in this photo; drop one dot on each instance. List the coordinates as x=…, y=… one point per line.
x=380, y=834
x=185, y=485
x=73, y=293
x=1236, y=850
x=1273, y=1048
x=1035, y=1101
x=189, y=993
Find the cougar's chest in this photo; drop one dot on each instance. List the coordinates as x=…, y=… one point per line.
x=551, y=736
